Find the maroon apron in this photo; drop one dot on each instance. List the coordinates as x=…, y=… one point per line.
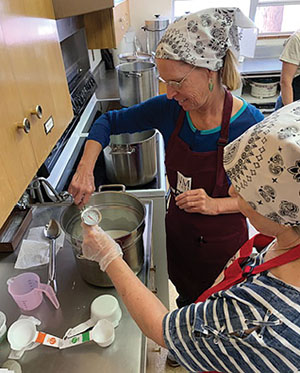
x=199, y=246
x=237, y=272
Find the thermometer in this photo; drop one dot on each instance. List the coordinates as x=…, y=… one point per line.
x=91, y=216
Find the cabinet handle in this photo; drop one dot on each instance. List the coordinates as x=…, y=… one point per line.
x=38, y=111
x=25, y=125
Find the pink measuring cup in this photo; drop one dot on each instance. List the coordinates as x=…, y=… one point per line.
x=27, y=291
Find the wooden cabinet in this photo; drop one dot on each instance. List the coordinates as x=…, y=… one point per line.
x=106, y=28
x=32, y=73
x=68, y=8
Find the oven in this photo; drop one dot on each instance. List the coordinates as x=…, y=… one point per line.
x=65, y=167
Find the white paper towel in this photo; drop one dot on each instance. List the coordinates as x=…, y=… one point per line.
x=34, y=250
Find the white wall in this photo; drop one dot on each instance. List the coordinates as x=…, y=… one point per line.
x=141, y=10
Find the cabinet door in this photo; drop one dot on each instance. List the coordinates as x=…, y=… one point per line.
x=6, y=194
x=106, y=28
x=121, y=20
x=30, y=33
x=32, y=73
x=16, y=155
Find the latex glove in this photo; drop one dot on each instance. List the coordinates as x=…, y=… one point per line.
x=82, y=186
x=197, y=200
x=99, y=246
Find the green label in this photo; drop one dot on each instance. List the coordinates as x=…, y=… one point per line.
x=85, y=336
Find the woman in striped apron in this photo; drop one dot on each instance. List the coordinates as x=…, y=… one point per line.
x=250, y=320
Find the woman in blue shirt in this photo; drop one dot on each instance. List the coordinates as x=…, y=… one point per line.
x=197, y=118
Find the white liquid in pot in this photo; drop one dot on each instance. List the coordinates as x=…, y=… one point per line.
x=114, y=233
x=117, y=233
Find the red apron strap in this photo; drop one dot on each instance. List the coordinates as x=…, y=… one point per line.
x=289, y=256
x=234, y=274
x=222, y=141
x=176, y=131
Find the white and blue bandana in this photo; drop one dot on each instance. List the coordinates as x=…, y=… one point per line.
x=263, y=165
x=203, y=38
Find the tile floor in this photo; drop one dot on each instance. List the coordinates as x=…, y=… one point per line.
x=156, y=356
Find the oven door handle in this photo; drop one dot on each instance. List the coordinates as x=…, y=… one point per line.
x=112, y=187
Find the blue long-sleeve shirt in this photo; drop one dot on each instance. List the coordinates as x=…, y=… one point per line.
x=162, y=113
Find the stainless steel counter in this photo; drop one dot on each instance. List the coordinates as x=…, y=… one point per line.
x=126, y=354
x=260, y=66
x=107, y=83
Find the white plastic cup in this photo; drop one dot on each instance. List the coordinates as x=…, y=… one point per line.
x=12, y=365
x=22, y=333
x=106, y=307
x=103, y=307
x=3, y=327
x=103, y=333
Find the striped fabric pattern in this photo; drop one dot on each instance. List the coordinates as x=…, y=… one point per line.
x=210, y=336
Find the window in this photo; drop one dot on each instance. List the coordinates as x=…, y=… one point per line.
x=275, y=17
x=270, y=16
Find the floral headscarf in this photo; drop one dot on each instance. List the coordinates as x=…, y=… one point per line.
x=203, y=38
x=263, y=165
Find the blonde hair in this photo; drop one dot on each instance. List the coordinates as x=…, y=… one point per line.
x=229, y=73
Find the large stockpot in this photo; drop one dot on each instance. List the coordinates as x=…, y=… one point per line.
x=155, y=29
x=123, y=215
x=138, y=81
x=130, y=158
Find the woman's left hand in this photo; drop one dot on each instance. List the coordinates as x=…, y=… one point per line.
x=197, y=200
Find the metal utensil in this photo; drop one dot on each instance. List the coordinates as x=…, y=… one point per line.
x=52, y=231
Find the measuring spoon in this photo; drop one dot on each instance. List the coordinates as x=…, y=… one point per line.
x=23, y=332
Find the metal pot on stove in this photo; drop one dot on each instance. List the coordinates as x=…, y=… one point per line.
x=130, y=158
x=138, y=81
x=123, y=217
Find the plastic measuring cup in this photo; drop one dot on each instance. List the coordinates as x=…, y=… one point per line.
x=103, y=333
x=27, y=291
x=103, y=307
x=22, y=333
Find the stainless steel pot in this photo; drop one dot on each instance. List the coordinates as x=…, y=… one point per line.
x=122, y=214
x=130, y=158
x=138, y=81
x=155, y=29
x=134, y=57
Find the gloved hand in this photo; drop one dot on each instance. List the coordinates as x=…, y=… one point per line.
x=99, y=246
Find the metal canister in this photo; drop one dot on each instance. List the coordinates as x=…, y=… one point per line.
x=155, y=28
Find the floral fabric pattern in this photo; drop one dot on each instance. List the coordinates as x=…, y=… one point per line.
x=263, y=165
x=203, y=38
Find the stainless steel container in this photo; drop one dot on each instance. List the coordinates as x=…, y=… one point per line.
x=155, y=28
x=138, y=81
x=130, y=158
x=121, y=213
x=135, y=57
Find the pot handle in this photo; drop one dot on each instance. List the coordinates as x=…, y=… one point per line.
x=130, y=73
x=114, y=187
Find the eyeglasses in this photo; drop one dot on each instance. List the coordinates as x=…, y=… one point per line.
x=173, y=83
